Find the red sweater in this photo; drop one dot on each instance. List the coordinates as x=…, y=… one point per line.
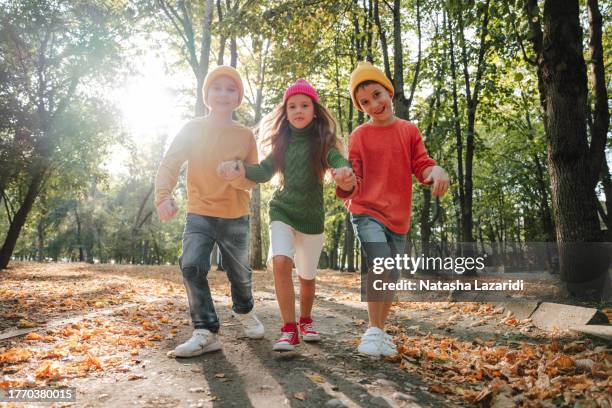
x=384, y=158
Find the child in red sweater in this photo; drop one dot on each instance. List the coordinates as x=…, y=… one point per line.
x=384, y=153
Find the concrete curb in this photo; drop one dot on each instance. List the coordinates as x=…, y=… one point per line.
x=548, y=316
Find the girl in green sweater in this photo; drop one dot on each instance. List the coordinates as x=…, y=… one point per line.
x=302, y=137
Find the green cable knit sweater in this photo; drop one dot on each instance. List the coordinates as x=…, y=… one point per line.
x=299, y=201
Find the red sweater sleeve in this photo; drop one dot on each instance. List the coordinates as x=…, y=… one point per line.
x=420, y=160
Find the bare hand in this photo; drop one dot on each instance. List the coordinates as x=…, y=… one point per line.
x=230, y=170
x=344, y=178
x=439, y=179
x=167, y=209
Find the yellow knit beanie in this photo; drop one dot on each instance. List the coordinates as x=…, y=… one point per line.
x=365, y=71
x=220, y=71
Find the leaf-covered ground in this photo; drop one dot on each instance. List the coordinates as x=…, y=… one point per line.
x=108, y=330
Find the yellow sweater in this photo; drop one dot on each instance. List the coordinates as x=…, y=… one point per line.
x=203, y=145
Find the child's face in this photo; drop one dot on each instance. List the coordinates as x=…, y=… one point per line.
x=223, y=95
x=376, y=101
x=300, y=110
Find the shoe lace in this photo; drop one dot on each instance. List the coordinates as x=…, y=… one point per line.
x=308, y=327
x=286, y=336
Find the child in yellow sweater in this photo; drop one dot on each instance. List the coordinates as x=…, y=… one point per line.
x=218, y=211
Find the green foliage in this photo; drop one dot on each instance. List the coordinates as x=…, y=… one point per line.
x=285, y=40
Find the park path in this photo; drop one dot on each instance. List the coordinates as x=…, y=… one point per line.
x=123, y=322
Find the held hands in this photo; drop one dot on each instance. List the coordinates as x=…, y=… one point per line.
x=344, y=178
x=230, y=170
x=167, y=209
x=439, y=180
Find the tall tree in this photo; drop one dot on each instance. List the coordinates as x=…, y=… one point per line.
x=472, y=87
x=56, y=47
x=574, y=164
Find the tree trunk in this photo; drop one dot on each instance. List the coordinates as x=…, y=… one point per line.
x=256, y=244
x=222, y=37
x=426, y=223
x=40, y=232
x=606, y=181
x=350, y=245
x=78, y=238
x=460, y=195
x=562, y=75
x=601, y=113
x=472, y=104
x=256, y=251
x=20, y=218
x=200, y=107
x=334, y=250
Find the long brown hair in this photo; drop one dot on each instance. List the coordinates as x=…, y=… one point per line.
x=276, y=137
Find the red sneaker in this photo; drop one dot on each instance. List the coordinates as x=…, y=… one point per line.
x=307, y=330
x=289, y=338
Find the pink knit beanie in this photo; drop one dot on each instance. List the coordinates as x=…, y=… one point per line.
x=301, y=86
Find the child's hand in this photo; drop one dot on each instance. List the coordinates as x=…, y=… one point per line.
x=230, y=170
x=167, y=209
x=438, y=177
x=344, y=178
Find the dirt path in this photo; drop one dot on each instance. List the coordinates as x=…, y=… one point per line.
x=248, y=373
x=452, y=354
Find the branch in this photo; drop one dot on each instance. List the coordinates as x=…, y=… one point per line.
x=418, y=64
x=143, y=203
x=482, y=51
x=63, y=103
x=519, y=39
x=383, y=41
x=601, y=114
x=175, y=19
x=437, y=213
x=146, y=217
x=356, y=40
x=188, y=28
x=205, y=43
x=222, y=37
x=10, y=211
x=398, y=63
x=18, y=43
x=367, y=26
x=466, y=74
x=602, y=213
x=40, y=66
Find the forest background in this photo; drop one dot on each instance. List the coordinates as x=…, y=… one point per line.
x=511, y=98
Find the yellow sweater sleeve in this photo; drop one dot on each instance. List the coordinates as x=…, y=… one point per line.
x=242, y=183
x=170, y=166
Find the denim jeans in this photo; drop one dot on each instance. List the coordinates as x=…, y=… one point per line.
x=377, y=241
x=232, y=237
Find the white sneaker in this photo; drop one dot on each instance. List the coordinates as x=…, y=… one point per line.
x=387, y=347
x=253, y=328
x=370, y=342
x=201, y=341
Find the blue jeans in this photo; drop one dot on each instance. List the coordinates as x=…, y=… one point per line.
x=232, y=237
x=377, y=241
